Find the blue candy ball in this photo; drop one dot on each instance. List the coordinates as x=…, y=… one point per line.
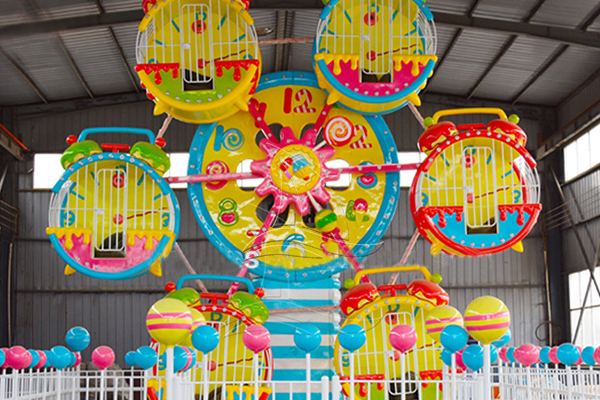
x=35, y=358
x=48, y=362
x=446, y=356
x=503, y=340
x=510, y=354
x=180, y=359
x=454, y=338
x=587, y=356
x=352, y=337
x=2, y=357
x=130, y=358
x=307, y=338
x=544, y=355
x=146, y=357
x=567, y=354
x=493, y=354
x=205, y=338
x=78, y=338
x=60, y=357
x=472, y=356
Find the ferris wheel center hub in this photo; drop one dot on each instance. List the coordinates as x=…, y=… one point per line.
x=295, y=169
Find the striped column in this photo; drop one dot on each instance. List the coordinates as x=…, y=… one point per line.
x=289, y=361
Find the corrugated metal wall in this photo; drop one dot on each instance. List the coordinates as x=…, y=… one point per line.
x=47, y=303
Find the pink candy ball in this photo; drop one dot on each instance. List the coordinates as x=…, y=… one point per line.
x=18, y=357
x=77, y=359
x=502, y=354
x=256, y=338
x=527, y=354
x=403, y=338
x=43, y=359
x=459, y=360
x=578, y=362
x=552, y=355
x=596, y=355
x=103, y=357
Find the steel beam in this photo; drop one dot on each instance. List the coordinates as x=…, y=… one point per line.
x=558, y=34
x=134, y=80
x=25, y=76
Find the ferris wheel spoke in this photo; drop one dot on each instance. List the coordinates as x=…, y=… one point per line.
x=357, y=169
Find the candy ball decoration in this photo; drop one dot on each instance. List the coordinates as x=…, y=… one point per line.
x=77, y=359
x=493, y=354
x=527, y=354
x=103, y=357
x=440, y=317
x=41, y=359
x=446, y=356
x=191, y=359
x=180, y=359
x=510, y=354
x=3, y=357
x=256, y=338
x=339, y=131
x=472, y=357
x=487, y=319
x=544, y=355
x=579, y=361
x=326, y=220
x=60, y=357
x=587, y=355
x=403, y=338
x=205, y=338
x=307, y=338
x=18, y=357
x=169, y=321
x=130, y=358
x=552, y=355
x=459, y=361
x=502, y=354
x=77, y=338
x=454, y=338
x=197, y=320
x=503, y=341
x=35, y=359
x=567, y=354
x=73, y=360
x=49, y=356
x=597, y=354
x=146, y=357
x=352, y=337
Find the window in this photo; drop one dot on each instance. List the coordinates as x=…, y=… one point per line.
x=179, y=167
x=409, y=157
x=579, y=155
x=589, y=334
x=343, y=182
x=46, y=170
x=248, y=184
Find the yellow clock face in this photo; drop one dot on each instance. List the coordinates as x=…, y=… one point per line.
x=377, y=357
x=232, y=213
x=198, y=59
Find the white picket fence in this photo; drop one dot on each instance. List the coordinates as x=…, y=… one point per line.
x=508, y=382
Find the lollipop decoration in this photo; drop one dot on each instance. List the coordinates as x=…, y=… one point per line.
x=339, y=131
x=103, y=357
x=487, y=319
x=18, y=357
x=527, y=354
x=440, y=317
x=169, y=321
x=78, y=338
x=567, y=354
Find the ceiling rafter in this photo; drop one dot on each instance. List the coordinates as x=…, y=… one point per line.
x=37, y=12
x=113, y=37
x=452, y=44
x=583, y=26
x=25, y=76
x=504, y=49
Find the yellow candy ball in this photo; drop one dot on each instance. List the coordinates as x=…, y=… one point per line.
x=439, y=318
x=326, y=220
x=197, y=320
x=487, y=319
x=169, y=321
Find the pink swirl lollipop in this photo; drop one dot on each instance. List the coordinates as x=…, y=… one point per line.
x=339, y=131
